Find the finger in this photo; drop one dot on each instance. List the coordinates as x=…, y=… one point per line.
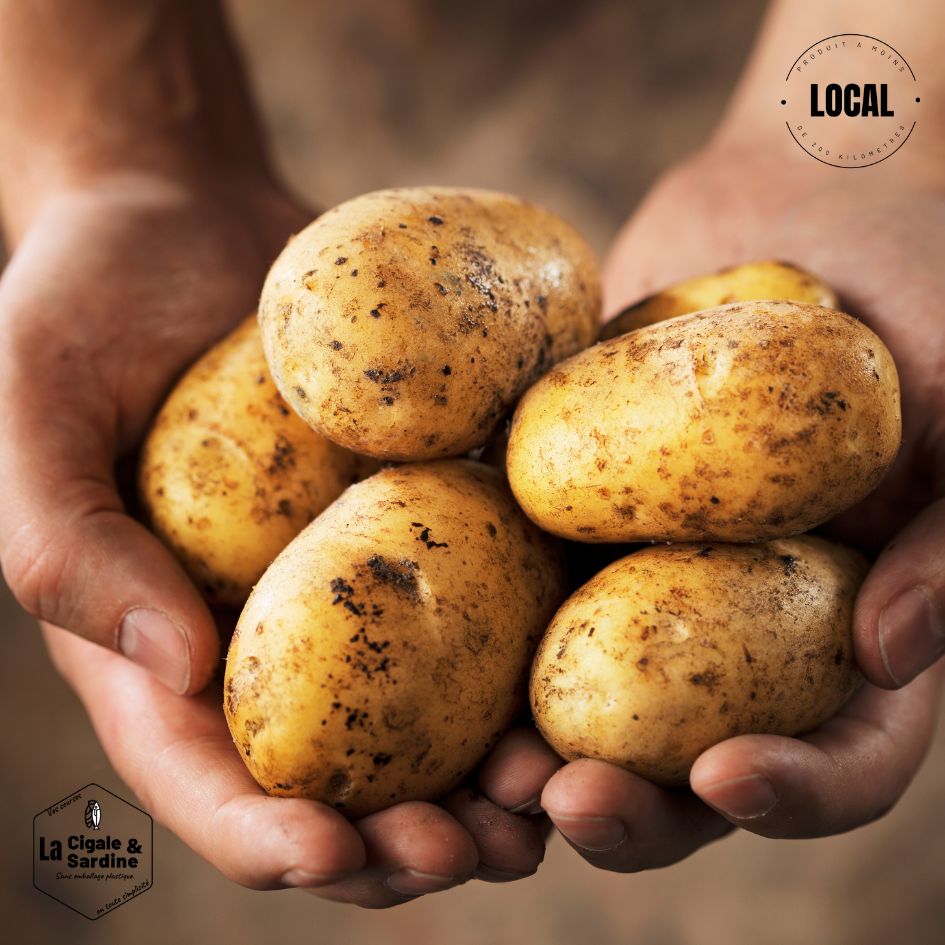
x=618, y=821
x=74, y=559
x=509, y=846
x=413, y=849
x=899, y=619
x=176, y=754
x=516, y=771
x=850, y=771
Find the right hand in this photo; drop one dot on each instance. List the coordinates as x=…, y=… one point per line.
x=114, y=290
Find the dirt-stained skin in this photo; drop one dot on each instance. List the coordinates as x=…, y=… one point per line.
x=387, y=648
x=675, y=648
x=768, y=279
x=229, y=475
x=404, y=324
x=749, y=421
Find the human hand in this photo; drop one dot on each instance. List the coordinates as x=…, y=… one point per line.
x=175, y=752
x=720, y=209
x=147, y=274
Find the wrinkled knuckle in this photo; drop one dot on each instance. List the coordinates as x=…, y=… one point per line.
x=34, y=567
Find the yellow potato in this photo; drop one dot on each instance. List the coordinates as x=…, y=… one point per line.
x=229, y=475
x=675, y=648
x=750, y=421
x=403, y=324
x=749, y=282
x=387, y=648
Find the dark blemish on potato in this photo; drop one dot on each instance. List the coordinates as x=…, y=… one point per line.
x=283, y=786
x=704, y=552
x=349, y=753
x=707, y=678
x=490, y=528
x=568, y=508
x=747, y=652
x=300, y=391
x=283, y=456
x=387, y=401
x=441, y=288
x=635, y=717
x=341, y=260
x=520, y=363
x=788, y=563
x=401, y=226
x=381, y=759
x=626, y=511
x=586, y=529
x=384, y=377
x=399, y=575
x=447, y=370
x=542, y=302
x=838, y=657
x=752, y=695
x=642, y=663
x=424, y=536
x=440, y=400
x=714, y=499
x=339, y=783
x=435, y=220
x=283, y=410
x=340, y=586
x=284, y=507
x=335, y=345
x=354, y=272
x=355, y=608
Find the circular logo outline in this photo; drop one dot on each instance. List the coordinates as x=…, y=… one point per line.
x=826, y=39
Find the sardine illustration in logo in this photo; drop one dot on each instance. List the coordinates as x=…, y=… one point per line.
x=93, y=815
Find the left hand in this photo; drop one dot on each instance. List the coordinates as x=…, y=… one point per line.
x=716, y=210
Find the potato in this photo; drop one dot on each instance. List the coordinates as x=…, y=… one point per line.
x=403, y=324
x=675, y=648
x=387, y=648
x=750, y=421
x=746, y=283
x=229, y=475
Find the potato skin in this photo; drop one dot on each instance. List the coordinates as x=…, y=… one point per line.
x=387, y=648
x=768, y=279
x=750, y=421
x=675, y=648
x=229, y=475
x=403, y=324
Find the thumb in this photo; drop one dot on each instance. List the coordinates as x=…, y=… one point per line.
x=899, y=620
x=73, y=558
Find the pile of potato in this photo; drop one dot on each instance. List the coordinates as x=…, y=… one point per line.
x=401, y=594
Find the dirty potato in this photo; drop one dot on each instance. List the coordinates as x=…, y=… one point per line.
x=229, y=475
x=675, y=648
x=403, y=324
x=768, y=279
x=387, y=648
x=749, y=421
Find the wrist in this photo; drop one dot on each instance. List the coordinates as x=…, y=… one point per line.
x=151, y=88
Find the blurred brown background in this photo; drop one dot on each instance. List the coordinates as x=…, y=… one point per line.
x=577, y=105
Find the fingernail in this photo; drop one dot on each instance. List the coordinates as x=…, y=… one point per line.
x=742, y=798
x=155, y=642
x=490, y=875
x=528, y=808
x=911, y=635
x=596, y=834
x=408, y=882
x=304, y=878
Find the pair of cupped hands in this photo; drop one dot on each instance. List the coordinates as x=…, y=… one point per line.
x=121, y=280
